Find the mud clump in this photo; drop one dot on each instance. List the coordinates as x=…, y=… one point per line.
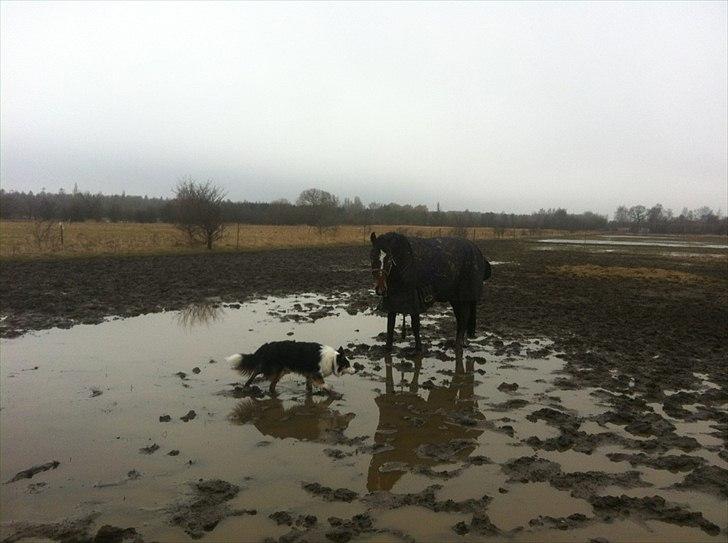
x=584, y=484
x=580, y=441
x=530, y=469
x=670, y=462
x=508, y=387
x=164, y=418
x=446, y=451
x=67, y=530
x=281, y=517
x=189, y=416
x=509, y=405
x=426, y=498
x=76, y=531
x=149, y=450
x=306, y=528
x=30, y=472
x=554, y=418
x=480, y=524
x=560, y=523
x=330, y=494
x=336, y=454
x=345, y=530
x=650, y=508
x=206, y=507
x=651, y=424
x=710, y=479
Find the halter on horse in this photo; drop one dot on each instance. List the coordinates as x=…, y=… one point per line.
x=382, y=265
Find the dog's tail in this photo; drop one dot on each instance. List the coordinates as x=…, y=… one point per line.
x=244, y=363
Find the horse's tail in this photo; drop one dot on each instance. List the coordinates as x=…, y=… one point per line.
x=487, y=271
x=244, y=363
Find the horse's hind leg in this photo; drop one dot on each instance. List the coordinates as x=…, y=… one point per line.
x=473, y=308
x=462, y=312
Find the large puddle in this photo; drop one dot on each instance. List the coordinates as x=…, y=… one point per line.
x=654, y=242
x=94, y=398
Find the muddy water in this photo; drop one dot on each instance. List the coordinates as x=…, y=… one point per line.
x=91, y=398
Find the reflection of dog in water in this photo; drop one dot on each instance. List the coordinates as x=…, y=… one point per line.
x=311, y=360
x=310, y=421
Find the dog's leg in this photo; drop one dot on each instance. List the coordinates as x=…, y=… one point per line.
x=274, y=380
x=318, y=380
x=309, y=385
x=252, y=378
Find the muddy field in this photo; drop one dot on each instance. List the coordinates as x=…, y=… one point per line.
x=592, y=406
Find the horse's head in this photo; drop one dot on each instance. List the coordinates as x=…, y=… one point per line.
x=382, y=262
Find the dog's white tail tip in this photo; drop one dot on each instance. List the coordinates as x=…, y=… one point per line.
x=234, y=358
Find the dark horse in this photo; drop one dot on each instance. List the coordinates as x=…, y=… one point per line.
x=412, y=273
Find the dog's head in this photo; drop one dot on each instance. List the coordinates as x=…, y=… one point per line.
x=342, y=363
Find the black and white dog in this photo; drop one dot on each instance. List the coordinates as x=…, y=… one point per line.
x=277, y=358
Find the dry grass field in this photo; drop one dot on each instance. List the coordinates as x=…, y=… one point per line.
x=23, y=238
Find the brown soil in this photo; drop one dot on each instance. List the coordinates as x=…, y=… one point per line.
x=641, y=320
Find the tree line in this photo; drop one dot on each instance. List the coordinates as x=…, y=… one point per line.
x=323, y=209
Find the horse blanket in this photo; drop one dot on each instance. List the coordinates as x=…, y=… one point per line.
x=427, y=270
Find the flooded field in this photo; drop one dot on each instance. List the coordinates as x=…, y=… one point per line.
x=155, y=440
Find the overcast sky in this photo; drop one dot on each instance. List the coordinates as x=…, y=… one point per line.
x=485, y=106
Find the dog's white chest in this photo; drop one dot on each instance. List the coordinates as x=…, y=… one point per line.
x=327, y=361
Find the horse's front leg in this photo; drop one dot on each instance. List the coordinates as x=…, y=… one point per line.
x=416, y=331
x=391, y=321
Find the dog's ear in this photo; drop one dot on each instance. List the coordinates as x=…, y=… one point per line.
x=373, y=237
x=340, y=350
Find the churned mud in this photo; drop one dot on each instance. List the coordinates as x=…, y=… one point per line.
x=589, y=407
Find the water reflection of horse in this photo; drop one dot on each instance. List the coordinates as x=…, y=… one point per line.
x=408, y=421
x=309, y=421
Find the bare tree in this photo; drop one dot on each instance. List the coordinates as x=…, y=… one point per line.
x=321, y=209
x=637, y=215
x=199, y=211
x=317, y=198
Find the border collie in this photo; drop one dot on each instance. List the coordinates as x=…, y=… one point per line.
x=277, y=358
